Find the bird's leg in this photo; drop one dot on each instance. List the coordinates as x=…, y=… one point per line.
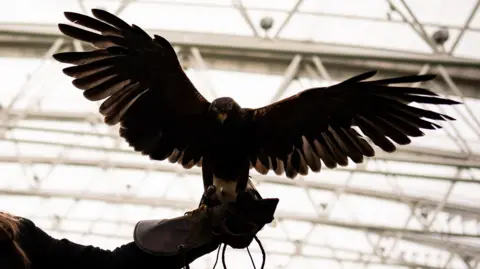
x=206, y=199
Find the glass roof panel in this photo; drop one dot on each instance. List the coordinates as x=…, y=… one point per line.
x=301, y=204
x=467, y=193
x=68, y=183
x=417, y=169
x=19, y=70
x=475, y=23
x=339, y=238
x=368, y=180
x=33, y=11
x=53, y=207
x=368, y=210
x=243, y=86
x=468, y=46
x=69, y=178
x=74, y=226
x=221, y=20
x=182, y=189
x=296, y=230
x=122, y=186
x=14, y=176
x=268, y=4
x=109, y=5
x=336, y=14
x=412, y=252
x=194, y=2
x=450, y=12
x=354, y=32
x=84, y=209
x=367, y=8
x=21, y=204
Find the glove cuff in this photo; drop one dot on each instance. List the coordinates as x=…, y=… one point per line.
x=180, y=240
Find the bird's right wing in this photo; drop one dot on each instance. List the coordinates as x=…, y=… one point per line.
x=146, y=90
x=294, y=134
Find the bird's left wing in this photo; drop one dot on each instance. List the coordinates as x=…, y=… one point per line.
x=146, y=90
x=294, y=134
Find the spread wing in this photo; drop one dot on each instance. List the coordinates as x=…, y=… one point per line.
x=294, y=134
x=146, y=90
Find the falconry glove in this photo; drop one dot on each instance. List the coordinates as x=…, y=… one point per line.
x=241, y=220
x=184, y=238
x=189, y=237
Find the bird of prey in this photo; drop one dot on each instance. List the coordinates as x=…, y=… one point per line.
x=162, y=115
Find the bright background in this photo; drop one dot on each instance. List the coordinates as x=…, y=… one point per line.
x=417, y=208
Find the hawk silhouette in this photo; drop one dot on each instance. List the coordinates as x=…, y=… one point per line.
x=162, y=115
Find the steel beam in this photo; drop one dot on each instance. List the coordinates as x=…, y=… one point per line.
x=38, y=35
x=290, y=74
x=258, y=55
x=465, y=27
x=187, y=205
x=243, y=43
x=407, y=154
x=404, y=153
x=292, y=12
x=243, y=12
x=361, y=256
x=271, y=57
x=348, y=252
x=429, y=238
x=399, y=156
x=114, y=136
x=453, y=208
x=436, y=242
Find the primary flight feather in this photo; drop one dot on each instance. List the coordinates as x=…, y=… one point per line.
x=162, y=115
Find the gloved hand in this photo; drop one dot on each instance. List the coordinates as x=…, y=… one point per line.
x=188, y=237
x=238, y=222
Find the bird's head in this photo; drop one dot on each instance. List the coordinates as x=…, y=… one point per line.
x=223, y=108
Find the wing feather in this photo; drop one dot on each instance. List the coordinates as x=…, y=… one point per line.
x=317, y=125
x=142, y=85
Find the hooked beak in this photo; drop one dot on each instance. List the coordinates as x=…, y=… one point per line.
x=222, y=117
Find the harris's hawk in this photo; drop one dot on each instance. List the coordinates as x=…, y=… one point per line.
x=162, y=115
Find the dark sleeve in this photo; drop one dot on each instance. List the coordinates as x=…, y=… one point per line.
x=47, y=252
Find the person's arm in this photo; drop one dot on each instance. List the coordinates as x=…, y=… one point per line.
x=160, y=244
x=47, y=252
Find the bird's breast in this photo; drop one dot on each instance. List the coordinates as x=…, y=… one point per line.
x=226, y=143
x=228, y=165
x=227, y=151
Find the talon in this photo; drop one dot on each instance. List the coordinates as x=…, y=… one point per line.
x=201, y=208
